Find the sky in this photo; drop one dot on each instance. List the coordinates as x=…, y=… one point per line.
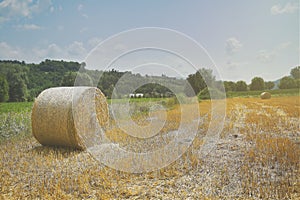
x=244, y=39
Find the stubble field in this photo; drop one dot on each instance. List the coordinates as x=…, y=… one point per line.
x=256, y=157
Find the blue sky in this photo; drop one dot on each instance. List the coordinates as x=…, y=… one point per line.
x=244, y=38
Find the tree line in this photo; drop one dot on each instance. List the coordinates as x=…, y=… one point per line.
x=23, y=82
x=204, y=77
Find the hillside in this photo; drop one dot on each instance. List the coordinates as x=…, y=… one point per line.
x=26, y=81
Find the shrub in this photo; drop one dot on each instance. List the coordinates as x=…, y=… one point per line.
x=211, y=93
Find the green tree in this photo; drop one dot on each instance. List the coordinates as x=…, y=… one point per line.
x=210, y=93
x=287, y=82
x=108, y=81
x=154, y=88
x=17, y=87
x=3, y=89
x=229, y=86
x=198, y=81
x=297, y=83
x=82, y=79
x=16, y=74
x=269, y=85
x=295, y=72
x=241, y=86
x=68, y=79
x=257, y=83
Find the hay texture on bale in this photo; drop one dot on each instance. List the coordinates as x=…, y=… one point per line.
x=265, y=95
x=69, y=116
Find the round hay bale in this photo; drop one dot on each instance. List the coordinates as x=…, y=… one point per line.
x=265, y=95
x=69, y=116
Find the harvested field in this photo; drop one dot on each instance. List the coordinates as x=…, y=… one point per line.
x=256, y=157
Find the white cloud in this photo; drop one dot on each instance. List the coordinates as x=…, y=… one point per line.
x=16, y=8
x=283, y=45
x=232, y=45
x=35, y=54
x=231, y=65
x=77, y=49
x=85, y=16
x=80, y=10
x=29, y=27
x=79, y=7
x=54, y=51
x=288, y=8
x=8, y=52
x=40, y=6
x=265, y=56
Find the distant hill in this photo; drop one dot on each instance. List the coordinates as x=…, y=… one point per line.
x=276, y=84
x=26, y=81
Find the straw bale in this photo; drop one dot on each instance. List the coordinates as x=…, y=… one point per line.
x=69, y=116
x=265, y=95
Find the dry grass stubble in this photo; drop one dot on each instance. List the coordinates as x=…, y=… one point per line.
x=257, y=157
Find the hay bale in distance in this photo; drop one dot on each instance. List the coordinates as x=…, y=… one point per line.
x=69, y=116
x=265, y=95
